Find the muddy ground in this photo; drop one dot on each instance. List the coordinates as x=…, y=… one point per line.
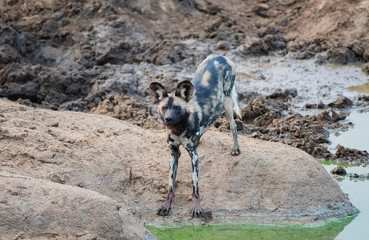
x=99, y=56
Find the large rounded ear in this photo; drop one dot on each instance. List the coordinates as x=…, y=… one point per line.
x=158, y=91
x=185, y=90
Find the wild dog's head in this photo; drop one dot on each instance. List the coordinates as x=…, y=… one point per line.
x=172, y=108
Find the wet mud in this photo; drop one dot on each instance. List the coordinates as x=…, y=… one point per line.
x=99, y=57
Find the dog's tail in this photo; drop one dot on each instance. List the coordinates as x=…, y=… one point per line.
x=234, y=97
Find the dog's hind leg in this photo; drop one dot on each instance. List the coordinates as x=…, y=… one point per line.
x=230, y=107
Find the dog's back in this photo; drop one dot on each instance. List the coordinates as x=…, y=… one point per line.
x=213, y=83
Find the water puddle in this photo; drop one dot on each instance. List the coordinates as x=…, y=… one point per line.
x=355, y=135
x=357, y=191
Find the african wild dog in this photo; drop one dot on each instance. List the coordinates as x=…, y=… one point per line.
x=190, y=111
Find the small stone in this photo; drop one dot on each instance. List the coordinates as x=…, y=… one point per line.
x=320, y=59
x=365, y=68
x=304, y=55
x=262, y=9
x=162, y=190
x=342, y=102
x=4, y=164
x=255, y=135
x=223, y=45
x=55, y=124
x=339, y=171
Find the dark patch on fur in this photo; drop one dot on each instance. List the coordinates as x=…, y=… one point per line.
x=180, y=127
x=170, y=102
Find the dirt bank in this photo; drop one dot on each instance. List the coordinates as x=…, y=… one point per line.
x=268, y=182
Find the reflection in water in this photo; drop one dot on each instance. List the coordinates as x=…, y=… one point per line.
x=253, y=231
x=356, y=137
x=358, y=194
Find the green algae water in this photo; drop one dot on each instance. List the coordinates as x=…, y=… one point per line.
x=327, y=231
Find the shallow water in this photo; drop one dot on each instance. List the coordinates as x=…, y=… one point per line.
x=356, y=135
x=252, y=231
x=358, y=193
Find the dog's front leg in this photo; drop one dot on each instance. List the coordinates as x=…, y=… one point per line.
x=197, y=210
x=173, y=166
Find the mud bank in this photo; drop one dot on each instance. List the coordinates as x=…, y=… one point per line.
x=71, y=55
x=100, y=57
x=268, y=182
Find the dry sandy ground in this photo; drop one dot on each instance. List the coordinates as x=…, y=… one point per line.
x=63, y=172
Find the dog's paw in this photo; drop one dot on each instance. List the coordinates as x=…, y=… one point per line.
x=163, y=211
x=197, y=212
x=236, y=152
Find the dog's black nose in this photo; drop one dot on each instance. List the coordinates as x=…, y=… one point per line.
x=168, y=119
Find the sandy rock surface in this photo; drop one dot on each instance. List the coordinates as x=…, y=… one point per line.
x=65, y=162
x=41, y=209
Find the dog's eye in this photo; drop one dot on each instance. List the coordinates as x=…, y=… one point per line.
x=177, y=107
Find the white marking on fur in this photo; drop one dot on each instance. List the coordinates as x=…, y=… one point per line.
x=171, y=166
x=234, y=97
x=201, y=130
x=160, y=94
x=227, y=73
x=183, y=93
x=195, y=178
